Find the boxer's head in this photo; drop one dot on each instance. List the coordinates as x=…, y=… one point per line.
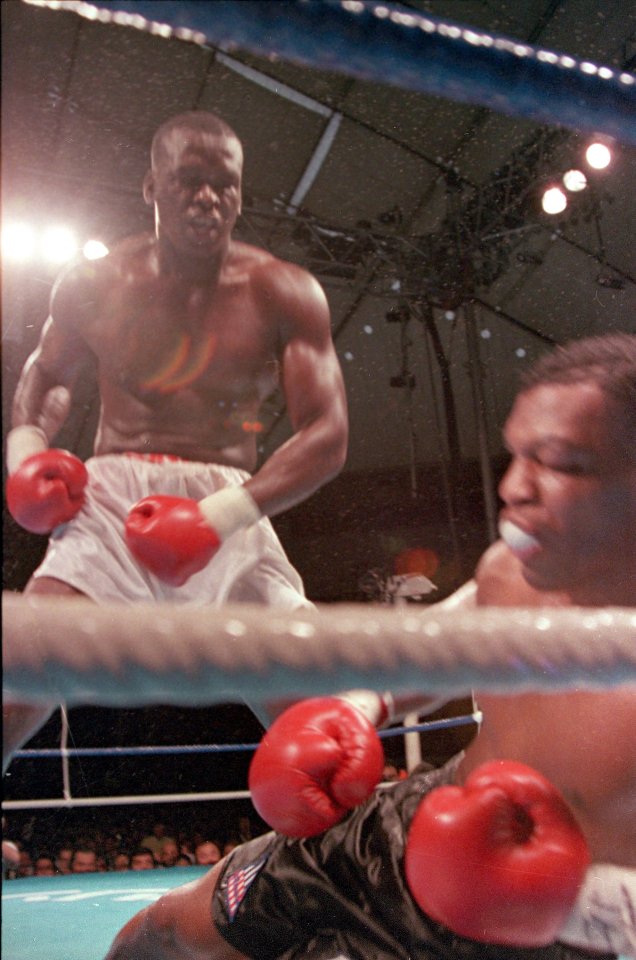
x=194, y=183
x=570, y=489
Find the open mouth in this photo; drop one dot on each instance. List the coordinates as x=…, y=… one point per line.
x=203, y=226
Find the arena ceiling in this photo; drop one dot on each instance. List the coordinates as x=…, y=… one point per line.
x=419, y=214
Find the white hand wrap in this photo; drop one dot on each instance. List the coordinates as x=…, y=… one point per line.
x=376, y=707
x=229, y=510
x=23, y=442
x=604, y=915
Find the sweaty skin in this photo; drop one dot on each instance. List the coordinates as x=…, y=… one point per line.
x=571, y=485
x=187, y=332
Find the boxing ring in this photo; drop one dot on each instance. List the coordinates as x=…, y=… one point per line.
x=121, y=656
x=76, y=916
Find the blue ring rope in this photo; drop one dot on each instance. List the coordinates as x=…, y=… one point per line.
x=217, y=747
x=386, y=43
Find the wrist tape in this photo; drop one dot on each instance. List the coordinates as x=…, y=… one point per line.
x=229, y=510
x=604, y=915
x=376, y=707
x=23, y=442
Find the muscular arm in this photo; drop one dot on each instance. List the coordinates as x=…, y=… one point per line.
x=315, y=396
x=43, y=394
x=178, y=926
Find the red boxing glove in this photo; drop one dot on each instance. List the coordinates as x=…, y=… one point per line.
x=500, y=859
x=175, y=537
x=170, y=537
x=319, y=759
x=47, y=489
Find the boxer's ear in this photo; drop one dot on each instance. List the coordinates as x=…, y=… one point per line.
x=149, y=188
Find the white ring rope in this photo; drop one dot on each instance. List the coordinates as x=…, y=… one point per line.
x=70, y=803
x=74, y=651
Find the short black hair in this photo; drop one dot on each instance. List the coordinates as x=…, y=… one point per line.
x=608, y=360
x=202, y=120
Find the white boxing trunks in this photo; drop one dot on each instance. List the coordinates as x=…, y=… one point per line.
x=90, y=552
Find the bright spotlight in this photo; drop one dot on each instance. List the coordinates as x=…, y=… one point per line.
x=574, y=181
x=554, y=200
x=18, y=242
x=58, y=244
x=598, y=155
x=95, y=250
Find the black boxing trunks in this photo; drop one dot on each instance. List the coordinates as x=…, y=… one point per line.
x=342, y=895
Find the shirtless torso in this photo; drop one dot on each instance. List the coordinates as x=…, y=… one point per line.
x=583, y=741
x=184, y=364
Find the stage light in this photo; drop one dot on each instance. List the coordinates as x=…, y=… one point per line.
x=598, y=155
x=58, y=244
x=574, y=180
x=95, y=250
x=554, y=200
x=18, y=242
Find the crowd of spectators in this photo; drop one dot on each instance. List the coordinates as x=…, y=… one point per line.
x=56, y=844
x=29, y=852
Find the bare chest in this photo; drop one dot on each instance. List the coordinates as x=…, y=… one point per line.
x=584, y=742
x=154, y=341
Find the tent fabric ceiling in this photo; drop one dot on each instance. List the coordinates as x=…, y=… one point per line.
x=419, y=202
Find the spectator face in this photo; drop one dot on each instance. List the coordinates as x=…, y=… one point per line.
x=63, y=859
x=84, y=861
x=207, y=853
x=142, y=861
x=169, y=853
x=25, y=866
x=121, y=862
x=44, y=867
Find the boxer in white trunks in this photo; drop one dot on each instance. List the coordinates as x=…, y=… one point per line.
x=187, y=331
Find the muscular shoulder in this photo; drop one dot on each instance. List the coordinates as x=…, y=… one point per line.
x=79, y=289
x=292, y=293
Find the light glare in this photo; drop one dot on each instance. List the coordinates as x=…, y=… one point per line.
x=598, y=155
x=95, y=250
x=18, y=242
x=574, y=180
x=58, y=244
x=554, y=200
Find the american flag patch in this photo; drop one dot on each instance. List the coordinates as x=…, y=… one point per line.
x=238, y=884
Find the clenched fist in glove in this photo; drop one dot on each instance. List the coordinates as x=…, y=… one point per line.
x=318, y=760
x=175, y=537
x=45, y=487
x=500, y=859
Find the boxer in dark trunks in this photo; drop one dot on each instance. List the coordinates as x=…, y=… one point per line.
x=568, y=531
